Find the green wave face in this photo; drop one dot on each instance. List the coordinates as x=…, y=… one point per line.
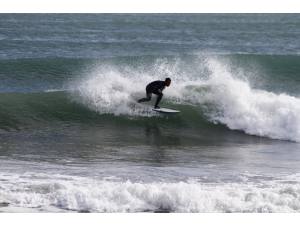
x=219, y=92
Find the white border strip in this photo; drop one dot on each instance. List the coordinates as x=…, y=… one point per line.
x=149, y=6
x=150, y=219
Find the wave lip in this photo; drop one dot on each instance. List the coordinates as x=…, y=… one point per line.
x=55, y=193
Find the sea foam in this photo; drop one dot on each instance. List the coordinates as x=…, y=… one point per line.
x=57, y=192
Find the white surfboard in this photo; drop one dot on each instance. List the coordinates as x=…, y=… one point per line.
x=165, y=110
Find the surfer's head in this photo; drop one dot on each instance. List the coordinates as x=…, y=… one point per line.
x=168, y=81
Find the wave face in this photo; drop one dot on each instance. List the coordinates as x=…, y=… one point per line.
x=58, y=193
x=241, y=92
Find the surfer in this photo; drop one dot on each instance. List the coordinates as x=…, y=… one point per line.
x=155, y=87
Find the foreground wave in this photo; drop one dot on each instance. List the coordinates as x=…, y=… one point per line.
x=42, y=192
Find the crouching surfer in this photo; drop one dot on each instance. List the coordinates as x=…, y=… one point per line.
x=155, y=87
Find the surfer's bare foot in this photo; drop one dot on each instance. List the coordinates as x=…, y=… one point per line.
x=156, y=107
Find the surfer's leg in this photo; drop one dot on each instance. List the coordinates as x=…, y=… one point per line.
x=159, y=97
x=148, y=98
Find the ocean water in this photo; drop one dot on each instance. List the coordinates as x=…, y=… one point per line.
x=73, y=139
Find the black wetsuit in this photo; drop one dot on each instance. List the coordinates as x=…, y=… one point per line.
x=155, y=87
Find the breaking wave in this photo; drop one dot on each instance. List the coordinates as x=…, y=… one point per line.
x=214, y=89
x=224, y=96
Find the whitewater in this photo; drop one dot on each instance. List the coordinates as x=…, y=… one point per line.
x=56, y=193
